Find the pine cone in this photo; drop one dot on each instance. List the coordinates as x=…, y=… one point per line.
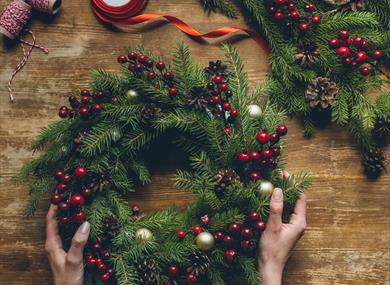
x=308, y=55
x=101, y=185
x=374, y=162
x=349, y=5
x=147, y=271
x=224, y=179
x=216, y=67
x=381, y=130
x=199, y=263
x=149, y=113
x=321, y=93
x=198, y=98
x=111, y=228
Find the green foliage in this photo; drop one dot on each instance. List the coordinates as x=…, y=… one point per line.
x=223, y=6
x=113, y=146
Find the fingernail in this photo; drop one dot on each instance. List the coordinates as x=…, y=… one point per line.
x=278, y=194
x=84, y=228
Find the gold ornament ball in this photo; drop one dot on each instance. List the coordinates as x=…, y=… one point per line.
x=205, y=241
x=266, y=188
x=143, y=234
x=132, y=93
x=254, y=111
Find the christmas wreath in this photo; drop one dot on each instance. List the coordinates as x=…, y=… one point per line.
x=95, y=154
x=327, y=56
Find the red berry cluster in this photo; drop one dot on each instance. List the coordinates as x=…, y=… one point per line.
x=267, y=157
x=241, y=237
x=86, y=105
x=174, y=272
x=143, y=65
x=355, y=52
x=221, y=93
x=98, y=258
x=286, y=11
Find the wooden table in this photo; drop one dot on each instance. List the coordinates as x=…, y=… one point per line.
x=348, y=235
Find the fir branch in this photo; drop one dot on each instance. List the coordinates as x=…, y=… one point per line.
x=225, y=7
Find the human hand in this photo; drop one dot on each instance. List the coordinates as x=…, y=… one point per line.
x=279, y=239
x=67, y=267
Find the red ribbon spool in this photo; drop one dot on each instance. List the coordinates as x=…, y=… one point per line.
x=124, y=15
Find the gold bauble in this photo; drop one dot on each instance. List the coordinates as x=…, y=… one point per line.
x=143, y=234
x=254, y=111
x=266, y=188
x=132, y=93
x=205, y=241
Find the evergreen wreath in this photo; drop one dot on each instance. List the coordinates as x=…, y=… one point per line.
x=99, y=147
x=327, y=56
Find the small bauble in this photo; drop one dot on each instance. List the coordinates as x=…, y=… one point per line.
x=197, y=229
x=55, y=199
x=358, y=41
x=260, y=226
x=64, y=206
x=267, y=153
x=160, y=65
x=344, y=34
x=173, y=270
x=344, y=51
x=143, y=234
x=77, y=200
x=361, y=56
x=316, y=19
x=79, y=217
x=377, y=54
x=281, y=130
x=246, y=233
x=173, y=91
x=243, y=157
x=191, y=278
x=262, y=137
x=266, y=188
x=254, y=111
x=181, y=234
x=303, y=27
x=205, y=241
x=132, y=93
x=254, y=155
x=230, y=255
x=254, y=216
x=334, y=43
x=365, y=70
x=105, y=277
x=80, y=171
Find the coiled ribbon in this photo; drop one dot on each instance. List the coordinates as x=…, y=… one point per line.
x=124, y=15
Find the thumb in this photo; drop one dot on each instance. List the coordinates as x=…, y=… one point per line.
x=276, y=207
x=75, y=253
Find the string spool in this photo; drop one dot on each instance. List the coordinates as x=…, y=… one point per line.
x=46, y=6
x=14, y=18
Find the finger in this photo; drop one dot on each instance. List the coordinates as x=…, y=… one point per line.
x=75, y=253
x=298, y=218
x=276, y=207
x=53, y=239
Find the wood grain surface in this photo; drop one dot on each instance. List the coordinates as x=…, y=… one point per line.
x=348, y=235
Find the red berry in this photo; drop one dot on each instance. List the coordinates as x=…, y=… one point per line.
x=295, y=15
x=233, y=113
x=254, y=176
x=197, y=229
x=247, y=233
x=344, y=51
x=218, y=236
x=254, y=155
x=346, y=42
x=348, y=61
x=142, y=58
x=76, y=200
x=228, y=240
x=84, y=111
x=160, y=65
x=377, y=54
x=365, y=71
x=61, y=187
x=260, y=226
x=291, y=6
x=173, y=270
x=101, y=266
x=91, y=261
x=310, y=7
x=279, y=2
x=87, y=192
x=168, y=75
x=266, y=153
x=281, y=130
x=149, y=63
x=66, y=178
x=234, y=228
x=243, y=157
x=85, y=99
x=227, y=130
x=254, y=216
x=110, y=271
x=218, y=79
x=64, y=221
x=274, y=138
x=138, y=67
x=230, y=255
x=361, y=56
x=79, y=217
x=365, y=45
x=262, y=137
x=105, y=253
x=58, y=174
x=334, y=43
x=132, y=55
x=226, y=106
x=81, y=171
x=344, y=34
x=181, y=234
x=63, y=206
x=97, y=95
x=303, y=26
x=316, y=19
x=191, y=278
x=151, y=74
x=173, y=91
x=276, y=151
x=105, y=276
x=97, y=107
x=223, y=86
x=63, y=113
x=99, y=260
x=358, y=41
x=85, y=92
x=122, y=59
x=55, y=199
x=278, y=16
x=216, y=99
x=248, y=245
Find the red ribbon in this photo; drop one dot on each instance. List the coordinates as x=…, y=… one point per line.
x=123, y=15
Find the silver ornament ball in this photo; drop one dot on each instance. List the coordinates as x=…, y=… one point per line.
x=254, y=111
x=132, y=93
x=266, y=188
x=205, y=241
x=143, y=234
